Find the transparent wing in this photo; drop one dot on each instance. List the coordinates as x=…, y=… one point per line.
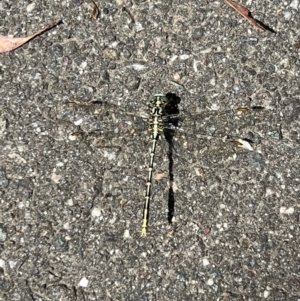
x=199, y=145
x=100, y=117
x=239, y=128
x=216, y=133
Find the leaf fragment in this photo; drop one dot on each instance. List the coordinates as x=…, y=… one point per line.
x=11, y=43
x=243, y=144
x=95, y=11
x=297, y=44
x=159, y=176
x=253, y=108
x=245, y=13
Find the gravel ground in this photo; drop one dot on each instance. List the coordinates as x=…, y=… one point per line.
x=71, y=206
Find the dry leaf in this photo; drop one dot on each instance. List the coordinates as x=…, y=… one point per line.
x=95, y=11
x=171, y=233
x=245, y=13
x=297, y=44
x=123, y=203
x=11, y=43
x=160, y=176
x=206, y=230
x=246, y=109
x=244, y=144
x=242, y=109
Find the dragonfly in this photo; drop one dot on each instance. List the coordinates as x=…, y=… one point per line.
x=163, y=119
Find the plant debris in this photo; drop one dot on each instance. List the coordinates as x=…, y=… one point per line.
x=297, y=44
x=95, y=11
x=11, y=43
x=245, y=13
x=243, y=143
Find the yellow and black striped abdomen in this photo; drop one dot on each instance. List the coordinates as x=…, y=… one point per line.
x=157, y=105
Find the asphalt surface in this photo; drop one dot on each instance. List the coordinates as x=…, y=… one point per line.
x=71, y=203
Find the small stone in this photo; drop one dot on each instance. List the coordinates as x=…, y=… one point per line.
x=96, y=212
x=266, y=294
x=126, y=234
x=184, y=57
x=83, y=282
x=138, y=27
x=3, y=233
x=2, y=263
x=111, y=53
x=55, y=177
x=30, y=7
x=205, y=262
x=78, y=122
x=60, y=244
x=294, y=4
x=285, y=210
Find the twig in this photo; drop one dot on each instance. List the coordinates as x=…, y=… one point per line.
x=245, y=13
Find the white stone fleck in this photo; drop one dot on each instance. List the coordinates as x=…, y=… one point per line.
x=27, y=215
x=110, y=155
x=83, y=282
x=285, y=210
x=21, y=148
x=173, y=58
x=138, y=67
x=205, y=262
x=17, y=158
x=114, y=44
x=126, y=234
x=72, y=137
x=37, y=76
x=210, y=282
x=212, y=81
x=2, y=126
x=30, y=7
x=269, y=192
x=78, y=122
x=96, y=212
x=21, y=205
x=138, y=27
x=208, y=50
x=195, y=66
x=55, y=177
x=176, y=76
x=287, y=15
x=3, y=235
x=83, y=65
x=266, y=294
x=12, y=264
x=215, y=107
x=184, y=57
x=66, y=226
x=294, y=4
x=2, y=263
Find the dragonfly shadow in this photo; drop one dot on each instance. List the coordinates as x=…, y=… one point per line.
x=172, y=122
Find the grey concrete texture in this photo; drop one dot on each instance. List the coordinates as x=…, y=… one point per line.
x=71, y=204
